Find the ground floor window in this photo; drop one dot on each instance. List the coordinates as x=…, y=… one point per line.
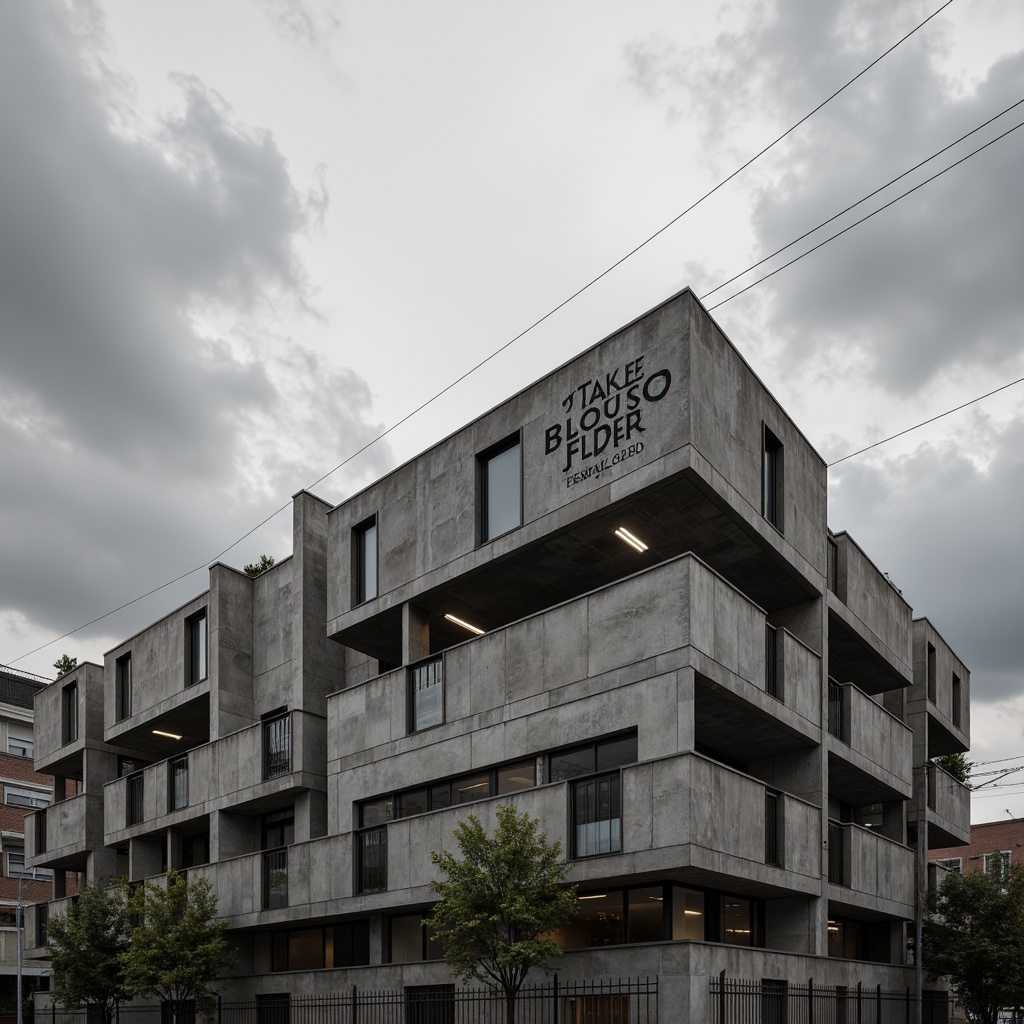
x=410, y=942
x=310, y=949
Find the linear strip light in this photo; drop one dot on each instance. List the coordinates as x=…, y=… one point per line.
x=597, y=896
x=464, y=625
x=634, y=542
x=169, y=735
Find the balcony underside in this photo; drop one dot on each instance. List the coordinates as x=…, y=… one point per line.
x=854, y=786
x=671, y=518
x=851, y=659
x=190, y=720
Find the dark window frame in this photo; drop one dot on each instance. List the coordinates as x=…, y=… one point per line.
x=277, y=729
x=363, y=591
x=773, y=493
x=484, y=461
x=69, y=711
x=592, y=792
x=123, y=685
x=177, y=783
x=433, y=666
x=374, y=838
x=358, y=939
x=197, y=649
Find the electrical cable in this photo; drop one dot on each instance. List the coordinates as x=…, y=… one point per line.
x=507, y=344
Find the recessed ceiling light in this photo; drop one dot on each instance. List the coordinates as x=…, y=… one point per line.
x=596, y=896
x=169, y=735
x=464, y=625
x=633, y=541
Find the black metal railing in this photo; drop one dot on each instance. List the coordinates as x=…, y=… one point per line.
x=772, y=675
x=836, y=710
x=372, y=859
x=836, y=853
x=135, y=804
x=619, y=1001
x=275, y=878
x=778, y=1001
x=772, y=844
x=277, y=746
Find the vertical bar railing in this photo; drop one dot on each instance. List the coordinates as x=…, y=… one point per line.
x=277, y=746
x=836, y=710
x=836, y=858
x=134, y=799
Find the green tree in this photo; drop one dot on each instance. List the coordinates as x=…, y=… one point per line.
x=957, y=765
x=177, y=946
x=65, y=664
x=255, y=568
x=499, y=901
x=86, y=947
x=974, y=936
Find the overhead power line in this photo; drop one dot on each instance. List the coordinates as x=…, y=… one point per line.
x=579, y=291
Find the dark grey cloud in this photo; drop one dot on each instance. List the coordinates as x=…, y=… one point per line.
x=948, y=533
x=150, y=409
x=930, y=284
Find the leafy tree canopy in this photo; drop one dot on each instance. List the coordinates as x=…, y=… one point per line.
x=255, y=568
x=178, y=947
x=65, y=664
x=86, y=947
x=974, y=936
x=957, y=765
x=499, y=902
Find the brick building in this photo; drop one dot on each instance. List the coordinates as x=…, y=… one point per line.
x=993, y=847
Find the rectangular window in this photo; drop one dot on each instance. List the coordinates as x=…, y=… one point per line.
x=738, y=921
x=687, y=914
x=772, y=675
x=195, y=850
x=372, y=860
x=42, y=917
x=195, y=648
x=931, y=673
x=772, y=479
x=126, y=765
x=411, y=942
x=15, y=796
x=954, y=864
x=277, y=746
x=135, y=803
x=70, y=712
x=597, y=816
x=515, y=777
x=16, y=869
x=772, y=837
x=364, y=539
x=601, y=756
x=40, y=817
x=123, y=673
x=275, y=878
x=277, y=829
x=19, y=741
x=177, y=781
x=426, y=694
x=599, y=921
x=955, y=709
x=501, y=490
x=833, y=566
x=997, y=864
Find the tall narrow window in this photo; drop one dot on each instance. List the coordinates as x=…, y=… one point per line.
x=501, y=489
x=123, y=671
x=70, y=712
x=277, y=745
x=771, y=479
x=195, y=648
x=426, y=694
x=597, y=816
x=955, y=709
x=365, y=541
x=177, y=781
x=931, y=673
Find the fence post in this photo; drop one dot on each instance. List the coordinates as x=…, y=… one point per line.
x=219, y=1013
x=554, y=990
x=355, y=1006
x=721, y=996
x=859, y=984
x=810, y=1001
x=878, y=1003
x=908, y=1005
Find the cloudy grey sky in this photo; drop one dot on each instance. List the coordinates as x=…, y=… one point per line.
x=239, y=239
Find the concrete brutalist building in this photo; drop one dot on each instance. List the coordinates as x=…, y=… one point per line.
x=614, y=601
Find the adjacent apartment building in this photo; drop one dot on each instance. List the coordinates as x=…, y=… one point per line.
x=613, y=600
x=23, y=790
x=993, y=847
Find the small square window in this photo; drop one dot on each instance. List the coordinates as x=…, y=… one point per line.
x=195, y=648
x=771, y=479
x=364, y=538
x=123, y=671
x=501, y=489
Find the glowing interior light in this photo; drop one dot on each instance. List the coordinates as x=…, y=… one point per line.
x=169, y=735
x=597, y=896
x=464, y=625
x=633, y=541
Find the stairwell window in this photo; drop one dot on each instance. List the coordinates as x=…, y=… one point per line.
x=772, y=479
x=364, y=542
x=501, y=488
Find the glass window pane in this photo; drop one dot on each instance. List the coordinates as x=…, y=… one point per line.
x=306, y=950
x=514, y=777
x=366, y=562
x=503, y=492
x=646, y=914
x=413, y=802
x=615, y=753
x=737, y=921
x=687, y=914
x=569, y=764
x=598, y=921
x=597, y=818
x=440, y=796
x=406, y=939
x=475, y=787
x=376, y=812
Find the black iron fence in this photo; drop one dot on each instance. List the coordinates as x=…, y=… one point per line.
x=619, y=1001
x=774, y=1001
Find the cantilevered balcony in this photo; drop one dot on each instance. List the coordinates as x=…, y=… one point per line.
x=60, y=836
x=948, y=811
x=242, y=771
x=867, y=871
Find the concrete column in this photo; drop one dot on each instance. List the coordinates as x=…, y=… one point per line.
x=101, y=865
x=145, y=858
x=231, y=835
x=415, y=634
